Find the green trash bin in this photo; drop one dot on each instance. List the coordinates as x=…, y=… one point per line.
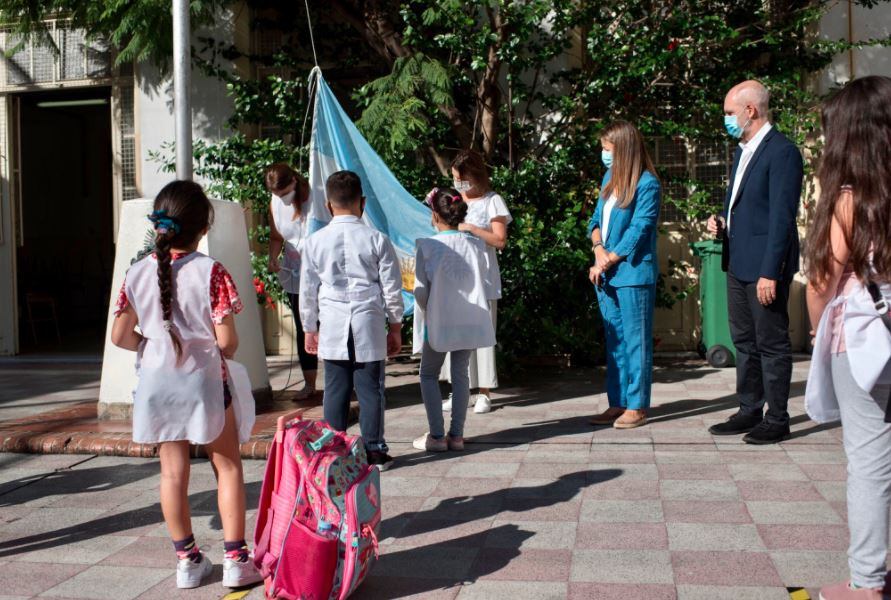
x=719, y=349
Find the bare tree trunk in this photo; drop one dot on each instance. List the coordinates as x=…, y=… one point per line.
x=488, y=91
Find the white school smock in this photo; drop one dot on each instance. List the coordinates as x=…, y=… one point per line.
x=453, y=285
x=868, y=344
x=350, y=279
x=480, y=212
x=175, y=402
x=294, y=233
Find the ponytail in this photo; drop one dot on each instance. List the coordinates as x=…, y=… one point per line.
x=182, y=214
x=165, y=284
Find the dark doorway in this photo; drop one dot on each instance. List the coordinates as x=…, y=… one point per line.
x=65, y=265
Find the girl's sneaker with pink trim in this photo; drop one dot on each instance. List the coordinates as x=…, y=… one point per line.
x=239, y=573
x=190, y=574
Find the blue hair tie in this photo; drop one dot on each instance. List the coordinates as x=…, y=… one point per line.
x=163, y=223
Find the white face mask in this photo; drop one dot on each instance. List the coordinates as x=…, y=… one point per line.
x=287, y=198
x=462, y=185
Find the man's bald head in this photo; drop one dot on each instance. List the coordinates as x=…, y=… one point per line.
x=748, y=94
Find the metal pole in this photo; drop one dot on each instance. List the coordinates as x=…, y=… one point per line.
x=182, y=76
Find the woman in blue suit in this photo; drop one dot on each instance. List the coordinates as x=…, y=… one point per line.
x=623, y=234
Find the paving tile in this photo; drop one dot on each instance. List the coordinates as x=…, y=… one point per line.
x=811, y=568
x=113, y=583
x=546, y=535
x=600, y=455
x=724, y=568
x=407, y=486
x=711, y=592
x=816, y=457
x=624, y=489
x=611, y=591
x=767, y=472
x=704, y=489
x=515, y=590
x=621, y=536
x=693, y=472
x=558, y=453
x=47, y=520
x=621, y=511
x=805, y=537
x=483, y=470
x=452, y=487
x=428, y=532
x=461, y=509
x=433, y=561
x=799, y=491
x=691, y=511
x=714, y=536
x=210, y=590
x=627, y=470
x=29, y=579
x=83, y=551
x=832, y=491
x=146, y=551
x=530, y=565
x=406, y=588
x=702, y=457
x=825, y=472
x=621, y=566
x=541, y=509
x=562, y=489
x=552, y=470
x=793, y=513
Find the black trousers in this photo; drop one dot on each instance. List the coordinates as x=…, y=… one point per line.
x=308, y=362
x=763, y=349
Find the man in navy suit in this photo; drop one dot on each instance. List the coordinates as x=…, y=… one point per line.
x=761, y=248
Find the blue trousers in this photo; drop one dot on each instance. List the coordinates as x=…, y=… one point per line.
x=344, y=376
x=628, y=322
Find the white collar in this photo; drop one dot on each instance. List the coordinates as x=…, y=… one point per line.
x=753, y=143
x=346, y=219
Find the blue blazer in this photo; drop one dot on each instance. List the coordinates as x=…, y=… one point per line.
x=763, y=237
x=632, y=233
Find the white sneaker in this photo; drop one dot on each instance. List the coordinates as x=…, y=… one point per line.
x=483, y=404
x=447, y=404
x=239, y=574
x=429, y=444
x=190, y=573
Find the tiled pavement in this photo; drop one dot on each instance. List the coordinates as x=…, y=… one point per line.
x=540, y=505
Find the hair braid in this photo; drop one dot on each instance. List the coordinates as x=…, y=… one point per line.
x=165, y=284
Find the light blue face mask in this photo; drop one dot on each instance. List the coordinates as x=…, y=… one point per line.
x=731, y=124
x=607, y=158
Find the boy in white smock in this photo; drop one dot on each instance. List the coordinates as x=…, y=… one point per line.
x=350, y=290
x=453, y=287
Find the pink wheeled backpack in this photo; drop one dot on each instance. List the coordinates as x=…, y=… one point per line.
x=319, y=513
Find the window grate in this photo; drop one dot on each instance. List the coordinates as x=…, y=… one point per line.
x=687, y=167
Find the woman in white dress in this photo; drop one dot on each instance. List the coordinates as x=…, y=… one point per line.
x=287, y=232
x=487, y=218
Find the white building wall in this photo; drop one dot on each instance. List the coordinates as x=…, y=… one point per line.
x=849, y=21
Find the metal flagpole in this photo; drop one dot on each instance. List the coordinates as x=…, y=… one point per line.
x=182, y=107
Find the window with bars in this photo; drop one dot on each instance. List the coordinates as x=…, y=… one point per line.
x=688, y=167
x=37, y=62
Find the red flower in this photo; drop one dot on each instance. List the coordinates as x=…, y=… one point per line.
x=270, y=302
x=256, y=281
x=673, y=45
x=260, y=287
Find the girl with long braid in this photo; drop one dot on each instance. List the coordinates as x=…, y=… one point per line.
x=184, y=304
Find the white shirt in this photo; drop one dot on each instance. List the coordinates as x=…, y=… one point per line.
x=294, y=233
x=181, y=401
x=452, y=291
x=480, y=212
x=608, y=207
x=350, y=279
x=748, y=151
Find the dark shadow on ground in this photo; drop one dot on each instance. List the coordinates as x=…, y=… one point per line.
x=459, y=561
x=201, y=503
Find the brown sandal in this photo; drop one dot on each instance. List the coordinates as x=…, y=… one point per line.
x=607, y=417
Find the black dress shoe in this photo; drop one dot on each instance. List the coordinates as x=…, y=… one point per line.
x=735, y=425
x=767, y=433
